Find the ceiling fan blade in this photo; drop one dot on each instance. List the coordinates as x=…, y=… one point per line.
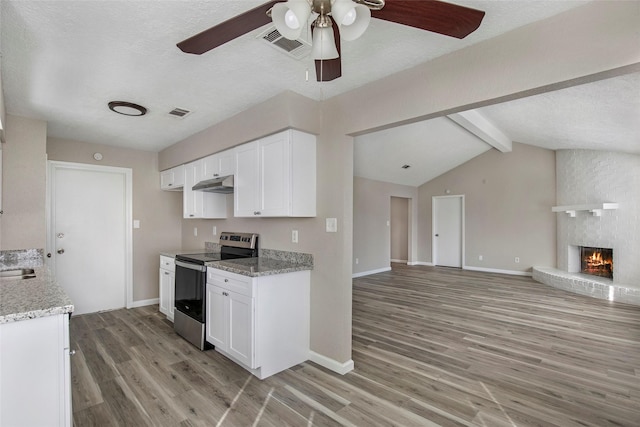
x=228, y=30
x=329, y=69
x=432, y=15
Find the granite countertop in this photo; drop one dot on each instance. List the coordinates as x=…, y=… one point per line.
x=30, y=298
x=260, y=266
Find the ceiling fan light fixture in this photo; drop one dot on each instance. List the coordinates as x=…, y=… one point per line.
x=352, y=19
x=324, y=44
x=290, y=17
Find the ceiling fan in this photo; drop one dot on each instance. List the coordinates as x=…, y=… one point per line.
x=351, y=18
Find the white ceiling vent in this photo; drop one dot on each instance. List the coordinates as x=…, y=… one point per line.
x=180, y=113
x=298, y=49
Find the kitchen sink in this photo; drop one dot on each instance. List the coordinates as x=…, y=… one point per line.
x=18, y=274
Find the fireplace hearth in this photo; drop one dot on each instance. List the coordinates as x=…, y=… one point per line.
x=596, y=261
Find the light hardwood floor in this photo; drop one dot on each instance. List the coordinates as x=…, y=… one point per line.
x=431, y=346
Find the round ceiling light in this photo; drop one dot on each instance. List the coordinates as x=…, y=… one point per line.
x=127, y=108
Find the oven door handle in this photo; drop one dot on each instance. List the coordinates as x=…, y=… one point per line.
x=197, y=267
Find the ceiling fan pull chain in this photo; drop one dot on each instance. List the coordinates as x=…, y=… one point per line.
x=371, y=4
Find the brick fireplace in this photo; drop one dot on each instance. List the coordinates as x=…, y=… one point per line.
x=585, y=178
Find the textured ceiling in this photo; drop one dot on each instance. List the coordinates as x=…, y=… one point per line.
x=62, y=61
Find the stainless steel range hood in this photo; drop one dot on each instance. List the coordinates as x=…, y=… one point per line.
x=223, y=184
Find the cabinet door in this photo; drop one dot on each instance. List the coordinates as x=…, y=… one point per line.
x=241, y=328
x=275, y=175
x=216, y=317
x=211, y=167
x=166, y=179
x=191, y=207
x=227, y=162
x=246, y=185
x=164, y=291
x=172, y=179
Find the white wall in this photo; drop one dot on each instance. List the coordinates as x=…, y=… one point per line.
x=588, y=176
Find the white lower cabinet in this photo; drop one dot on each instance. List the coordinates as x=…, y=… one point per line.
x=167, y=286
x=35, y=374
x=231, y=318
x=261, y=323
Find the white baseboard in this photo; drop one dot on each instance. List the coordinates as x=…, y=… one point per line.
x=496, y=270
x=402, y=261
x=366, y=273
x=335, y=366
x=428, y=264
x=144, y=302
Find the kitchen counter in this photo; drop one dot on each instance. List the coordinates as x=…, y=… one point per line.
x=30, y=298
x=260, y=266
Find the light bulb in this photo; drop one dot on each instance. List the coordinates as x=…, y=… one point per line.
x=350, y=17
x=291, y=20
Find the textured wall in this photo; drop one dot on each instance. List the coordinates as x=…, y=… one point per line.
x=587, y=176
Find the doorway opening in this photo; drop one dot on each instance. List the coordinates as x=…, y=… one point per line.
x=400, y=229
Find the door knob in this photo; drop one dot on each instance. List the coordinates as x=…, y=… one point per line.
x=437, y=235
x=60, y=251
x=60, y=235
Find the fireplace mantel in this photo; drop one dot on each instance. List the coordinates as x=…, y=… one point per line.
x=595, y=208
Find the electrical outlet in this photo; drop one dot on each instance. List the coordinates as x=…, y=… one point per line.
x=357, y=260
x=215, y=230
x=479, y=257
x=517, y=260
x=331, y=225
x=195, y=231
x=294, y=236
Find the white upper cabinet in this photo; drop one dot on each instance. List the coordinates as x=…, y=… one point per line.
x=219, y=164
x=172, y=179
x=276, y=176
x=201, y=204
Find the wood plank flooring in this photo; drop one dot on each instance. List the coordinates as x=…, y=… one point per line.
x=431, y=346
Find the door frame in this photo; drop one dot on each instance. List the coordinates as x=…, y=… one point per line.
x=434, y=223
x=127, y=173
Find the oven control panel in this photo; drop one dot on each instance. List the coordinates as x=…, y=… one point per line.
x=239, y=240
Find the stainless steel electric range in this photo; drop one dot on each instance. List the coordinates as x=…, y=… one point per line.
x=191, y=283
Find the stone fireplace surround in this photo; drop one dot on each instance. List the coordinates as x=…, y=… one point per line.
x=585, y=177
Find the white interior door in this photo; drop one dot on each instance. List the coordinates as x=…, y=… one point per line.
x=448, y=231
x=89, y=234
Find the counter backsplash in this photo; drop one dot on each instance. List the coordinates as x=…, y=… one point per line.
x=27, y=258
x=294, y=257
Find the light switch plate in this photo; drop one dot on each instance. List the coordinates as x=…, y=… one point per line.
x=294, y=236
x=136, y=223
x=332, y=225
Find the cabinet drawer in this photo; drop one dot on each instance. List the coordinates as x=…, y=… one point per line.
x=167, y=263
x=230, y=281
